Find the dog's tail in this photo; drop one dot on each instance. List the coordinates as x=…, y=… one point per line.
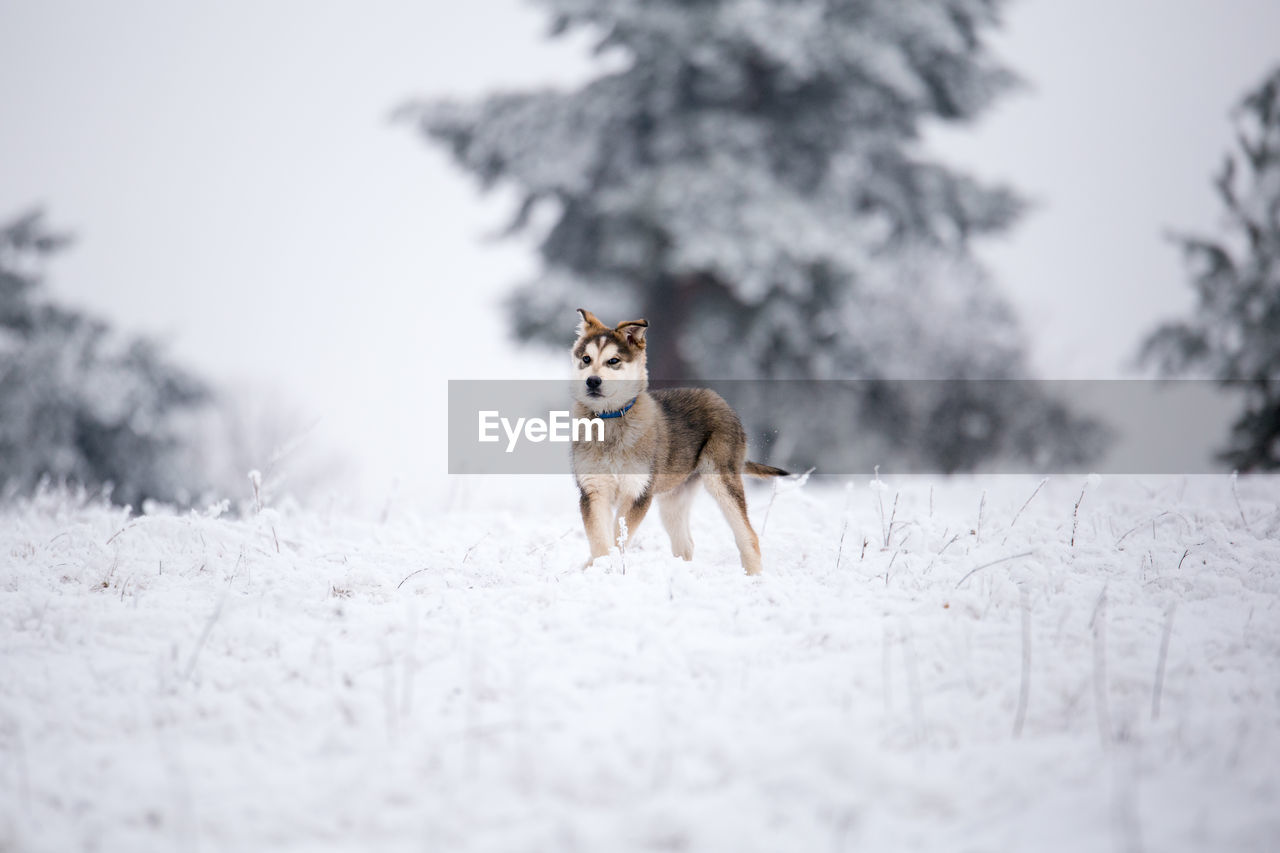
x=755, y=469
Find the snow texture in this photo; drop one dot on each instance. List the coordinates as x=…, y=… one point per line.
x=452, y=680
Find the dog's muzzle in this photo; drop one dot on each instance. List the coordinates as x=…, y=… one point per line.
x=593, y=385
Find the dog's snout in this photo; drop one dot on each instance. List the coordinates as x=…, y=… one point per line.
x=593, y=382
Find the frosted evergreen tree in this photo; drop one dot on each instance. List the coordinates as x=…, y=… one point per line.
x=1234, y=332
x=748, y=176
x=77, y=404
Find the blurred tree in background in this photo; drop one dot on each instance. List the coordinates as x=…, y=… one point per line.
x=1234, y=334
x=748, y=177
x=76, y=404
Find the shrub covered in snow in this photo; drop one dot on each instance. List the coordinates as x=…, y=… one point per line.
x=748, y=177
x=1234, y=334
x=79, y=404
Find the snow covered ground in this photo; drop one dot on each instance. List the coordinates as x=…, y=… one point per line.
x=294, y=679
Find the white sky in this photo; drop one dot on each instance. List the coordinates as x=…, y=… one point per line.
x=236, y=186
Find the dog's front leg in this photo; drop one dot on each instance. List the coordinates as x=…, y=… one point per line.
x=597, y=515
x=636, y=512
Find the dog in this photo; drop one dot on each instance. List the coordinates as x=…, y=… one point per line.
x=658, y=444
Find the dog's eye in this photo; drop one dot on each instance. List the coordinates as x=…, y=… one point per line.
x=614, y=360
x=586, y=359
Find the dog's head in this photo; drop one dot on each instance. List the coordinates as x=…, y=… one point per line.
x=608, y=364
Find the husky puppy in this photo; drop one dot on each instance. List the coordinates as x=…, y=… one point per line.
x=659, y=444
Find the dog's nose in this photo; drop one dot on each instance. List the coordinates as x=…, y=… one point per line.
x=593, y=382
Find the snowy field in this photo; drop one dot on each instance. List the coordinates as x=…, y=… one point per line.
x=289, y=679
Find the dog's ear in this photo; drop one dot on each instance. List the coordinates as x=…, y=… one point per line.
x=589, y=321
x=633, y=331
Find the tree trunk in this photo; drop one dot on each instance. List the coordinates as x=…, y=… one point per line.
x=667, y=305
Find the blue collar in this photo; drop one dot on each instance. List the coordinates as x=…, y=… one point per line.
x=620, y=412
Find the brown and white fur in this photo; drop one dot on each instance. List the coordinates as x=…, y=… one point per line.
x=662, y=447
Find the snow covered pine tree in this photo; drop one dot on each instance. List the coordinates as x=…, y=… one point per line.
x=749, y=181
x=75, y=406
x=1234, y=334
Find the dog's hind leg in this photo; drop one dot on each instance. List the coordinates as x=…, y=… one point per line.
x=674, y=510
x=726, y=487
